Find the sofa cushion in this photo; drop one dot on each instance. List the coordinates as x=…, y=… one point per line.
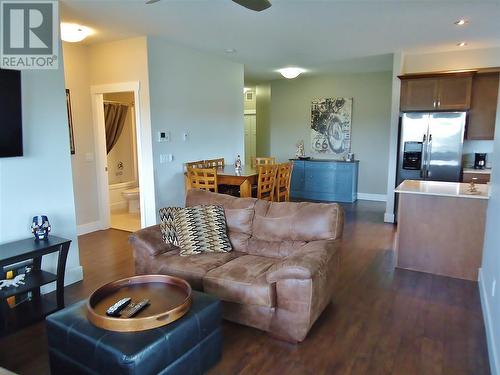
x=239, y=214
x=275, y=249
x=167, y=225
x=297, y=221
x=202, y=229
x=239, y=226
x=196, y=197
x=193, y=268
x=242, y=280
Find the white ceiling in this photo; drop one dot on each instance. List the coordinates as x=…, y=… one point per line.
x=318, y=35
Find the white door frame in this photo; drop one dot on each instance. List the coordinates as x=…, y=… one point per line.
x=144, y=153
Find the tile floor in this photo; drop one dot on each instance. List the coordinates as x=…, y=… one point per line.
x=122, y=220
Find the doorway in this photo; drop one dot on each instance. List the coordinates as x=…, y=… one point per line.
x=250, y=135
x=121, y=148
x=122, y=140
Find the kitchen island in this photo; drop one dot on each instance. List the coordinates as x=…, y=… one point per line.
x=441, y=227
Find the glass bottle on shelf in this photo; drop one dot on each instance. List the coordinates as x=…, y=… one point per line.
x=237, y=163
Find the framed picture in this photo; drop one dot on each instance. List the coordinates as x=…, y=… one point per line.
x=70, y=123
x=331, y=127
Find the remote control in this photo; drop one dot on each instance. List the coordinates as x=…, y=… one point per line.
x=118, y=307
x=133, y=309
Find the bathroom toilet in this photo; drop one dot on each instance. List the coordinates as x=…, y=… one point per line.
x=132, y=197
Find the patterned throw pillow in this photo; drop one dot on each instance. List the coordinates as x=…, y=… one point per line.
x=167, y=225
x=202, y=229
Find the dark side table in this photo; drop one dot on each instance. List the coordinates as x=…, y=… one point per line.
x=39, y=306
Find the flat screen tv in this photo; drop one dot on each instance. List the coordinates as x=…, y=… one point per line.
x=11, y=124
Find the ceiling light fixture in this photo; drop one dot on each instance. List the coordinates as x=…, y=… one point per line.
x=230, y=50
x=462, y=44
x=461, y=22
x=72, y=32
x=291, y=73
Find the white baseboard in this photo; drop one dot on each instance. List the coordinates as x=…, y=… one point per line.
x=389, y=218
x=372, y=197
x=72, y=275
x=88, y=228
x=490, y=335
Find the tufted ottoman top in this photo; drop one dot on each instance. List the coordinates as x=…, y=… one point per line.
x=191, y=344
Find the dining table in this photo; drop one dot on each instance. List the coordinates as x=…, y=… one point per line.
x=244, y=177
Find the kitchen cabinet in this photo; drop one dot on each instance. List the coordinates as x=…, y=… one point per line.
x=418, y=94
x=325, y=180
x=436, y=92
x=481, y=177
x=440, y=228
x=483, y=111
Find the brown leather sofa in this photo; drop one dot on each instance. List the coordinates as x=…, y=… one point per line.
x=279, y=276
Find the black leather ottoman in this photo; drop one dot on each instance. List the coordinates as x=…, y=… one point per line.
x=190, y=345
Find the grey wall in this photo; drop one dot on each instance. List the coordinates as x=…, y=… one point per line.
x=371, y=93
x=195, y=93
x=490, y=271
x=40, y=182
x=263, y=120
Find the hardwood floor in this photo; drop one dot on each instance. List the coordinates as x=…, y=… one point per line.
x=381, y=320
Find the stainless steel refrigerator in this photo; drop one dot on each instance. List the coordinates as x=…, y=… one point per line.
x=430, y=146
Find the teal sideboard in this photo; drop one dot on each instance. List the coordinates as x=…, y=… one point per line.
x=325, y=180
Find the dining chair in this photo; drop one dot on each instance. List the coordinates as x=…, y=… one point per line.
x=263, y=161
x=211, y=163
x=283, y=182
x=266, y=182
x=203, y=178
x=195, y=164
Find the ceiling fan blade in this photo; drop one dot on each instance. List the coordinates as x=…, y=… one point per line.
x=257, y=5
x=152, y=1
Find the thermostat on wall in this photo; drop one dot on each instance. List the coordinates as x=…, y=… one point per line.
x=164, y=136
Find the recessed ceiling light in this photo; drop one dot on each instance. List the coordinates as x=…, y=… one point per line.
x=230, y=50
x=461, y=22
x=462, y=44
x=291, y=72
x=72, y=32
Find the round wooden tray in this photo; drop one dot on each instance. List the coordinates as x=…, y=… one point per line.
x=169, y=298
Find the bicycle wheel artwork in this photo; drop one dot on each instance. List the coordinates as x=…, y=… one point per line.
x=331, y=126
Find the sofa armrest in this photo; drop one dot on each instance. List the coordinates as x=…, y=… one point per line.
x=150, y=241
x=305, y=262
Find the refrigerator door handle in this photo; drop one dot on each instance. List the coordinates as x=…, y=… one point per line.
x=428, y=156
x=424, y=156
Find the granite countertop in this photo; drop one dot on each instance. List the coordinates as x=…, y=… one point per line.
x=477, y=171
x=443, y=189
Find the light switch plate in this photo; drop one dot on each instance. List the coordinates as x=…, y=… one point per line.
x=166, y=158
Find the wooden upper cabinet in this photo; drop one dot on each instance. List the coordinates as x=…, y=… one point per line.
x=454, y=93
x=482, y=114
x=418, y=94
x=436, y=92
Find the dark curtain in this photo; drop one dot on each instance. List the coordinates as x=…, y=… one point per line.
x=114, y=116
